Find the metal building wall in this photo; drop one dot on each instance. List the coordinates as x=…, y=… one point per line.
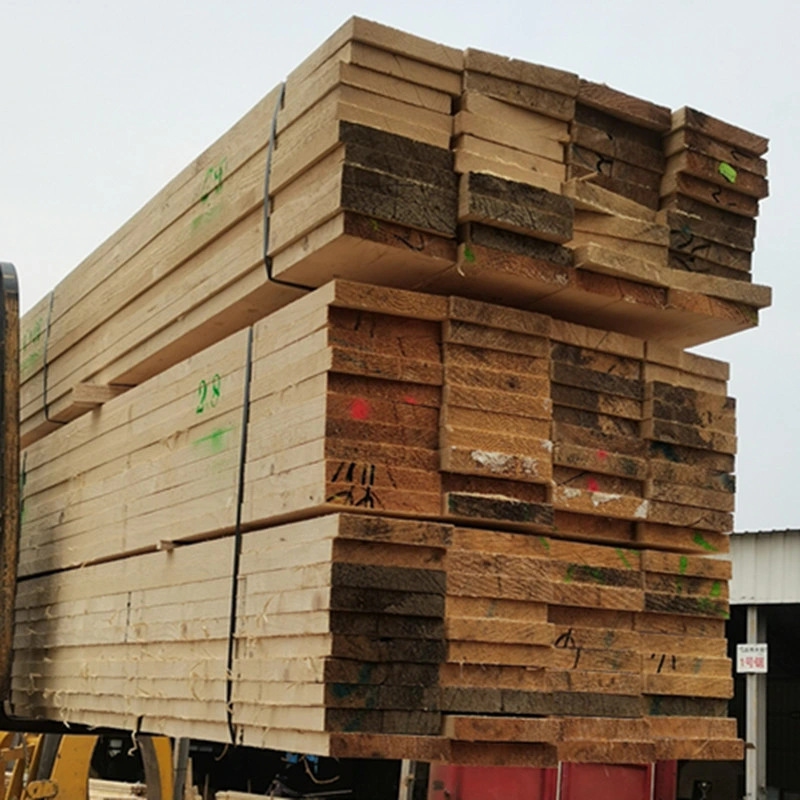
x=766, y=567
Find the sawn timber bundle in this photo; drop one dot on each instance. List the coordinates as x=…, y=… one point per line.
x=364, y=636
x=394, y=402
x=394, y=447
x=588, y=606
x=401, y=162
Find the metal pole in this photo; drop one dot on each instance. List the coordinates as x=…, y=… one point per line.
x=761, y=721
x=181, y=766
x=754, y=743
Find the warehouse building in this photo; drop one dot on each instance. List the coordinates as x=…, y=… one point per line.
x=765, y=600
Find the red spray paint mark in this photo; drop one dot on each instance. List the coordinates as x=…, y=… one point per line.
x=593, y=485
x=602, y=455
x=412, y=401
x=359, y=409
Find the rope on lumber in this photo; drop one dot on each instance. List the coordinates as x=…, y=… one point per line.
x=237, y=546
x=272, y=134
x=44, y=362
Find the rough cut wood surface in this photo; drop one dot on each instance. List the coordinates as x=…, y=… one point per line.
x=436, y=479
x=413, y=635
x=380, y=206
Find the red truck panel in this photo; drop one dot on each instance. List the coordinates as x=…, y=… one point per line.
x=606, y=782
x=578, y=782
x=491, y=783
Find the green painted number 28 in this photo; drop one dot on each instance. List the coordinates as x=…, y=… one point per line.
x=208, y=393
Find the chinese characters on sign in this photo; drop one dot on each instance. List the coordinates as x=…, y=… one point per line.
x=751, y=658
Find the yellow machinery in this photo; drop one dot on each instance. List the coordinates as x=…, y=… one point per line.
x=45, y=766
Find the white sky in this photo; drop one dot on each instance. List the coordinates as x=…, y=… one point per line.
x=101, y=103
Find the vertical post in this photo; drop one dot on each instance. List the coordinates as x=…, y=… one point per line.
x=180, y=768
x=761, y=721
x=755, y=718
x=406, y=787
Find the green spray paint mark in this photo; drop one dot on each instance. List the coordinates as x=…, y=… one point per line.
x=205, y=217
x=212, y=181
x=596, y=574
x=684, y=565
x=492, y=610
x=375, y=225
x=469, y=255
x=701, y=542
x=716, y=589
x=208, y=394
x=727, y=172
x=608, y=639
x=569, y=573
x=33, y=334
x=215, y=439
x=678, y=586
x=623, y=558
x=29, y=361
x=212, y=186
x=698, y=665
x=545, y=543
x=342, y=690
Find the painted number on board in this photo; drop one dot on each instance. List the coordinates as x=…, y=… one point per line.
x=208, y=393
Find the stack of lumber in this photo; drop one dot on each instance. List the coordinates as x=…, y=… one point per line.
x=395, y=450
x=395, y=402
x=528, y=573
x=363, y=636
x=393, y=160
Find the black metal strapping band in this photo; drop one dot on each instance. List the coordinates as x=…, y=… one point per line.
x=237, y=541
x=272, y=134
x=44, y=363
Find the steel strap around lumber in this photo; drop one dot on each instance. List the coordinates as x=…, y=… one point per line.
x=237, y=542
x=267, y=173
x=9, y=418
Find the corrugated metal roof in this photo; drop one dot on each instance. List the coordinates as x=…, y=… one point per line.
x=766, y=567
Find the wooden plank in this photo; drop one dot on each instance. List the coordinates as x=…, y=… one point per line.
x=620, y=145
x=542, y=101
x=367, y=745
x=508, y=115
x=489, y=129
x=589, y=197
x=515, y=206
x=504, y=155
x=693, y=140
x=503, y=755
x=622, y=228
x=501, y=729
x=412, y=70
x=707, y=193
x=717, y=129
x=380, y=37
x=624, y=106
x=591, y=256
x=687, y=225
x=719, y=172
x=521, y=71
x=337, y=72
x=469, y=158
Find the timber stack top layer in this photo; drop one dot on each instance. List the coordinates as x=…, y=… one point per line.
x=400, y=456
x=401, y=162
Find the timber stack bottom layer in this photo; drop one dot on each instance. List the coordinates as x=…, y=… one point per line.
x=440, y=482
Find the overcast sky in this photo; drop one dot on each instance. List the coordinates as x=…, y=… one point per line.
x=103, y=102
